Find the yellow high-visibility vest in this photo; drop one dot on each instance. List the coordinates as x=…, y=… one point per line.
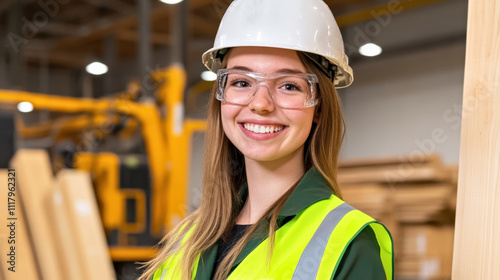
x=310, y=246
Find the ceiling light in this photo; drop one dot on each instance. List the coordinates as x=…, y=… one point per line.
x=171, y=1
x=25, y=107
x=208, y=76
x=370, y=49
x=96, y=68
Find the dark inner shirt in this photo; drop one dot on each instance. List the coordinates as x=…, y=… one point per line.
x=224, y=246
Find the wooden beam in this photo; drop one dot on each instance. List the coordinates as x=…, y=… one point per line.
x=75, y=11
x=102, y=28
x=477, y=242
x=59, y=58
x=203, y=26
x=60, y=28
x=204, y=3
x=393, y=7
x=4, y=5
x=132, y=36
x=116, y=5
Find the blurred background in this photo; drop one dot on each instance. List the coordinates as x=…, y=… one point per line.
x=116, y=89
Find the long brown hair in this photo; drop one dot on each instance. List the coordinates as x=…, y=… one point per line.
x=224, y=174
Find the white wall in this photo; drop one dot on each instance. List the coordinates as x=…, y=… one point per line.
x=406, y=104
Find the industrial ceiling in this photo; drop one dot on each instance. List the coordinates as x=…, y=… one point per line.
x=70, y=32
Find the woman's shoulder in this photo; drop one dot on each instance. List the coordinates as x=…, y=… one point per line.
x=361, y=259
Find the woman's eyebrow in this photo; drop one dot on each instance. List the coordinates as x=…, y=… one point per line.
x=289, y=70
x=244, y=68
x=282, y=70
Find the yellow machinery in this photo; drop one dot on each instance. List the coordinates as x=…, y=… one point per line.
x=140, y=195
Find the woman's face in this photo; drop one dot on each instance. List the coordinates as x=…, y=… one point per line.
x=243, y=123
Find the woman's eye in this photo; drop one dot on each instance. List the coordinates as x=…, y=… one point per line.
x=290, y=87
x=240, y=84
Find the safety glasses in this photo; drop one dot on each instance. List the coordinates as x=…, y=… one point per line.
x=288, y=90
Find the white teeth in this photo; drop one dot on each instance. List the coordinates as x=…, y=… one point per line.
x=261, y=128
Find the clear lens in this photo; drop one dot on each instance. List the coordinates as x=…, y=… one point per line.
x=287, y=90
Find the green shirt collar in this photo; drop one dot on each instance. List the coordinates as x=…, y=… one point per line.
x=311, y=188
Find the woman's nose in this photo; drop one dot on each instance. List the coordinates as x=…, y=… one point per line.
x=262, y=101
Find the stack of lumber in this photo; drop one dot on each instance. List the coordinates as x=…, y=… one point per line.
x=415, y=197
x=393, y=170
x=59, y=234
x=426, y=252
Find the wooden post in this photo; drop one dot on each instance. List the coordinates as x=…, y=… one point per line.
x=24, y=266
x=477, y=231
x=34, y=182
x=79, y=202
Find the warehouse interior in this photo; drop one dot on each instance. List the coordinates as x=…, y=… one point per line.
x=403, y=113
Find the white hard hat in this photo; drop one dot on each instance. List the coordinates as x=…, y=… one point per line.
x=302, y=25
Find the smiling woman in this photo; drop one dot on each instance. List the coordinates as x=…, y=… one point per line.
x=271, y=207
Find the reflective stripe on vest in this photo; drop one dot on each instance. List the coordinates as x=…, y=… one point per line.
x=171, y=265
x=309, y=261
x=310, y=246
x=163, y=274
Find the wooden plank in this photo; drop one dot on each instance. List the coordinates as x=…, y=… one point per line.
x=391, y=174
x=35, y=183
x=422, y=195
x=369, y=194
x=87, y=229
x=67, y=249
x=25, y=266
x=477, y=242
x=393, y=170
x=366, y=162
x=418, y=217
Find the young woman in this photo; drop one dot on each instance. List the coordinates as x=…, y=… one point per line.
x=271, y=207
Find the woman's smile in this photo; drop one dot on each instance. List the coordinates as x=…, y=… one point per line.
x=260, y=130
x=263, y=128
